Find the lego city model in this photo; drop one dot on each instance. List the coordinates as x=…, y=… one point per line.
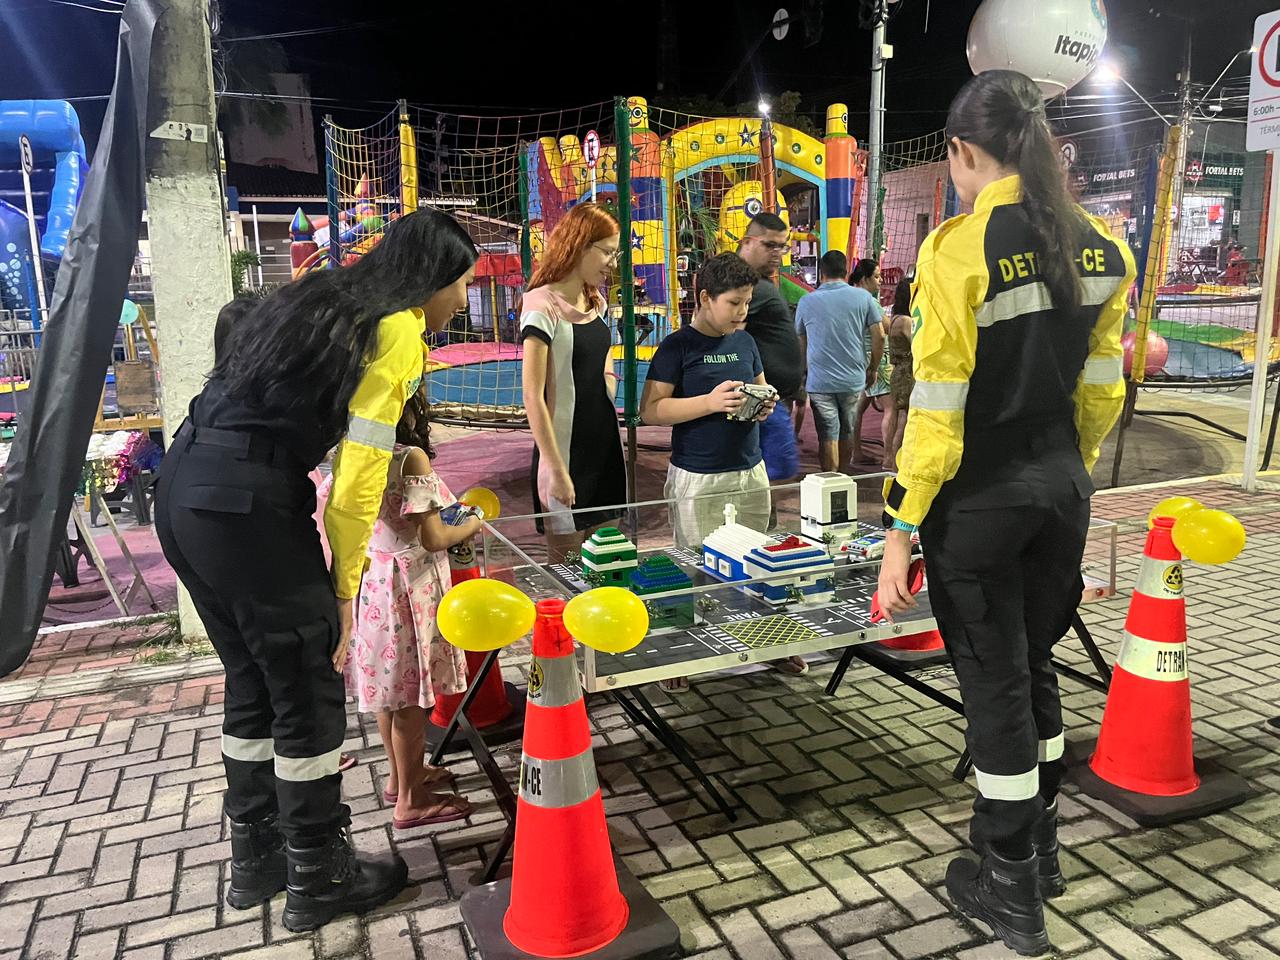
x=829, y=509
x=655, y=581
x=608, y=558
x=796, y=568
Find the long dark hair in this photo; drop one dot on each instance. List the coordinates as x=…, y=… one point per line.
x=414, y=428
x=1002, y=112
x=305, y=347
x=902, y=298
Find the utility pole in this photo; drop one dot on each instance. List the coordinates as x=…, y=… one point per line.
x=190, y=255
x=1185, y=109
x=880, y=52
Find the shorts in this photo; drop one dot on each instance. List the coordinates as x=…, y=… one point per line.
x=834, y=414
x=778, y=445
x=697, y=501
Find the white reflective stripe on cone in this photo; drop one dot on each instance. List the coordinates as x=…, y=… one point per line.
x=1014, y=786
x=300, y=769
x=1052, y=748
x=1153, y=660
x=1160, y=579
x=249, y=751
x=554, y=682
x=558, y=783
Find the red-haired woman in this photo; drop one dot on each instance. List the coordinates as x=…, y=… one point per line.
x=569, y=383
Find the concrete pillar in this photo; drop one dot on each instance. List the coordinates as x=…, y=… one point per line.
x=190, y=256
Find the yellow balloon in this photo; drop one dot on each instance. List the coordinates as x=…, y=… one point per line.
x=484, y=615
x=1208, y=536
x=608, y=619
x=1172, y=507
x=485, y=499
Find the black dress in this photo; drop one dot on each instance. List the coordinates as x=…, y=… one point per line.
x=583, y=415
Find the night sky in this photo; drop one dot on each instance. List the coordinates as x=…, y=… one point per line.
x=453, y=56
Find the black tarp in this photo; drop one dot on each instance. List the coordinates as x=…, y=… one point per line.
x=47, y=456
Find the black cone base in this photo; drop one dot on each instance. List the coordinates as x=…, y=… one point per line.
x=649, y=934
x=907, y=659
x=505, y=731
x=1219, y=789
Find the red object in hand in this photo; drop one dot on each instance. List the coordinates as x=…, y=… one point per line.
x=915, y=582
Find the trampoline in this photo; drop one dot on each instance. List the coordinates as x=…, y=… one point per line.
x=476, y=381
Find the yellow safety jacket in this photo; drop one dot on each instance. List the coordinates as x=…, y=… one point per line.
x=989, y=351
x=364, y=454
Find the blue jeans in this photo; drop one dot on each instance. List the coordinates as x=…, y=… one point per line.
x=778, y=445
x=834, y=415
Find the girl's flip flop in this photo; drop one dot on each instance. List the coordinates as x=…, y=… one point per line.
x=455, y=807
x=436, y=777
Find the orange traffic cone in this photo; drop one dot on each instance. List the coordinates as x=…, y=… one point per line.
x=1143, y=762
x=917, y=649
x=1150, y=686
x=561, y=906
x=567, y=896
x=496, y=710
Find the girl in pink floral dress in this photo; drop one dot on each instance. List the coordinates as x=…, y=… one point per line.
x=397, y=654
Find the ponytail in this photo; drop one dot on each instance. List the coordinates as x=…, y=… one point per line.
x=1050, y=209
x=1002, y=112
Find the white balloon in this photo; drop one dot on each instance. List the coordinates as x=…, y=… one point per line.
x=1054, y=42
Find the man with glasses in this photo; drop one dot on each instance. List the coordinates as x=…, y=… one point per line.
x=770, y=323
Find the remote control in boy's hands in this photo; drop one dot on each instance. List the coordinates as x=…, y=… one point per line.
x=754, y=397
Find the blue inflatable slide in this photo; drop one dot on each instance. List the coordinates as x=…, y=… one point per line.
x=57, y=179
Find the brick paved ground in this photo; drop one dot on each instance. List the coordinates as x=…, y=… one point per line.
x=111, y=840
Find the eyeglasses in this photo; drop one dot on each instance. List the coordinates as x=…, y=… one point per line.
x=611, y=255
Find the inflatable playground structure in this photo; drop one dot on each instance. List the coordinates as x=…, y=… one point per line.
x=36, y=211
x=694, y=184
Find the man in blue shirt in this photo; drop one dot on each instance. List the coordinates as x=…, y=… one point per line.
x=834, y=322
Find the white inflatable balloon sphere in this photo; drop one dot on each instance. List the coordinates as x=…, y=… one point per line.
x=1054, y=42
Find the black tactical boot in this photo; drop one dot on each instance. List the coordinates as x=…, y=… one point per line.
x=1044, y=837
x=1005, y=895
x=257, y=863
x=327, y=881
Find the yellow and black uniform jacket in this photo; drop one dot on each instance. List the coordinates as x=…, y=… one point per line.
x=364, y=454
x=990, y=352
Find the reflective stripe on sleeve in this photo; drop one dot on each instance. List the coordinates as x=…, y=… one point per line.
x=1103, y=370
x=558, y=783
x=371, y=433
x=301, y=769
x=933, y=395
x=1152, y=660
x=248, y=751
x=1052, y=748
x=1014, y=786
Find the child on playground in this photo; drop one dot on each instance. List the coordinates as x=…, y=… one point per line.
x=693, y=386
x=397, y=654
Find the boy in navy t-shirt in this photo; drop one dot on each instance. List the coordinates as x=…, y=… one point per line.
x=693, y=386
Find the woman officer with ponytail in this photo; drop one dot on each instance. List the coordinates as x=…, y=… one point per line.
x=1017, y=312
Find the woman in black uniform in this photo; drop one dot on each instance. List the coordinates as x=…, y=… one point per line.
x=331, y=357
x=1017, y=312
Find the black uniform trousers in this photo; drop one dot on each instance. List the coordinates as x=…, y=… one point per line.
x=234, y=512
x=1003, y=543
